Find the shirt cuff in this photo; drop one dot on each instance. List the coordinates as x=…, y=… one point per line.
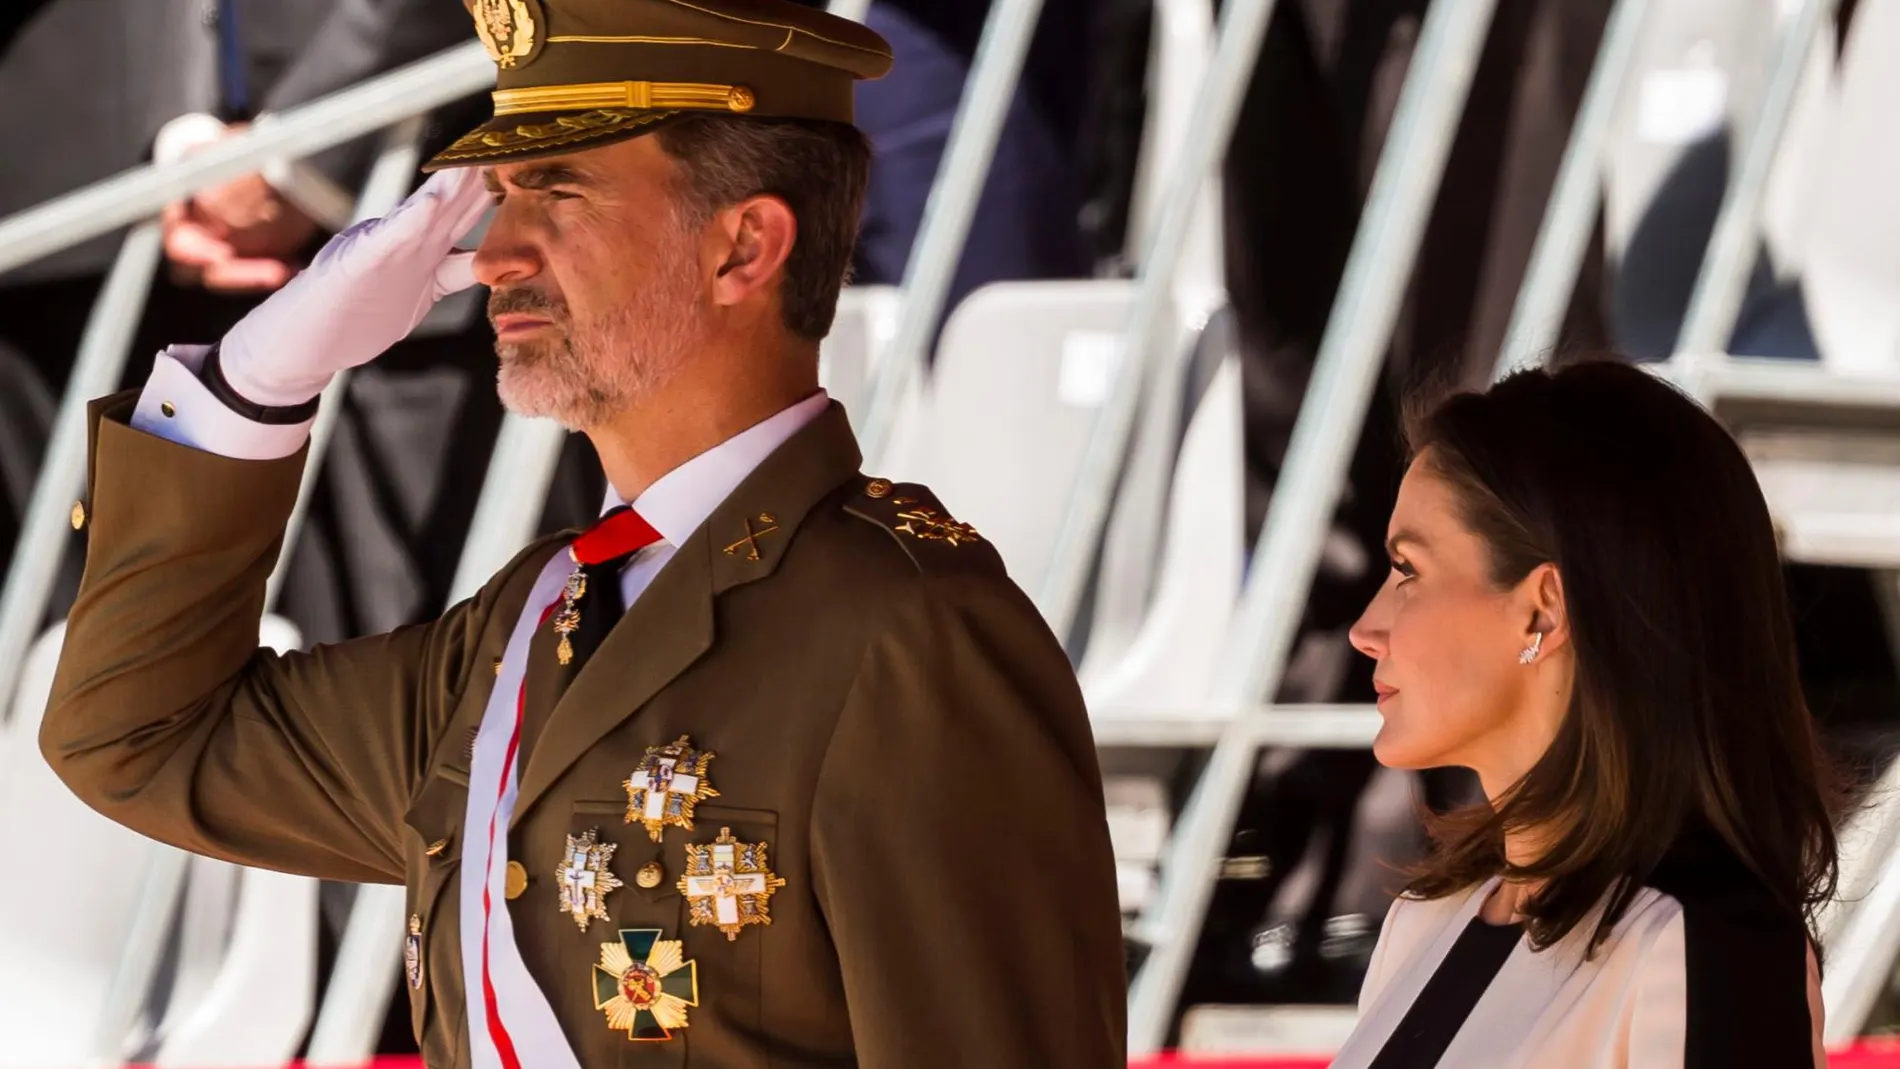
x=177, y=407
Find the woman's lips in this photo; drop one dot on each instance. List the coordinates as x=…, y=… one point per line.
x=1384, y=690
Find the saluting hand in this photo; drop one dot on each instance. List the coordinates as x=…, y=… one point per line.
x=363, y=293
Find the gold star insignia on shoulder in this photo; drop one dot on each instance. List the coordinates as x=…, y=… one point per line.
x=665, y=786
x=728, y=885
x=644, y=984
x=584, y=878
x=930, y=526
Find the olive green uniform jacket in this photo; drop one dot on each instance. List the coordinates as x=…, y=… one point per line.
x=888, y=713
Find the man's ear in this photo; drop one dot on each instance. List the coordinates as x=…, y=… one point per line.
x=759, y=233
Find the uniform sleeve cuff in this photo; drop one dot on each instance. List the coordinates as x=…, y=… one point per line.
x=179, y=408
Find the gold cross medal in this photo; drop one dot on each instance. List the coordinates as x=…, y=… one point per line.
x=584, y=879
x=665, y=786
x=728, y=885
x=644, y=984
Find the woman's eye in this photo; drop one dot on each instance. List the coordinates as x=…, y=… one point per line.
x=1405, y=571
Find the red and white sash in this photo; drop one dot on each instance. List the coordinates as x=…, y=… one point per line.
x=511, y=1025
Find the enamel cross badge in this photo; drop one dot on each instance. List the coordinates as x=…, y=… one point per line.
x=584, y=878
x=412, y=953
x=644, y=984
x=728, y=885
x=665, y=786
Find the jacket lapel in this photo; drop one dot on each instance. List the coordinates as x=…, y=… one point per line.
x=671, y=625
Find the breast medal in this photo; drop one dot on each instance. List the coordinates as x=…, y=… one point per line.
x=412, y=953
x=728, y=885
x=644, y=984
x=584, y=878
x=665, y=786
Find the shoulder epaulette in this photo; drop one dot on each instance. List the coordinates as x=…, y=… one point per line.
x=935, y=540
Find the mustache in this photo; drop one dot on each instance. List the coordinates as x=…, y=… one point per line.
x=503, y=302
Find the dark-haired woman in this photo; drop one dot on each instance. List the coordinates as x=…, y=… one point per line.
x=1586, y=608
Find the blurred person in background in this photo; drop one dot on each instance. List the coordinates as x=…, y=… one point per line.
x=1585, y=607
x=115, y=80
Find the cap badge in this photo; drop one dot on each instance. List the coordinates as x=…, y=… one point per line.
x=507, y=29
x=665, y=786
x=728, y=885
x=585, y=879
x=644, y=984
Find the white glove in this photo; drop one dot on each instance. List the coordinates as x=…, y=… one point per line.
x=365, y=292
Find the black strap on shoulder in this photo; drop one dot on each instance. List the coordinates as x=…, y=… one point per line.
x=1449, y=996
x=212, y=375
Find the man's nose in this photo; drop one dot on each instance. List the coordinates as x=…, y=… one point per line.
x=505, y=257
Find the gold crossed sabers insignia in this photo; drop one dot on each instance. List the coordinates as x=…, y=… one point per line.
x=584, y=878
x=728, y=884
x=750, y=543
x=665, y=786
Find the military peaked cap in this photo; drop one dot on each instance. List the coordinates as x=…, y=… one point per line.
x=578, y=73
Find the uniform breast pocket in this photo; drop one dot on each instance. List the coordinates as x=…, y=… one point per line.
x=431, y=953
x=709, y=889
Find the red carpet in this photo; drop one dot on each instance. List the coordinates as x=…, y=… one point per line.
x=1867, y=1054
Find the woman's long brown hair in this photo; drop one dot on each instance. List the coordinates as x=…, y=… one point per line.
x=1687, y=711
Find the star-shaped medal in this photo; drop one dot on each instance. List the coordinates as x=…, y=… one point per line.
x=584, y=880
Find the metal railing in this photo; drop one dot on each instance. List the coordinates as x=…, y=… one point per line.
x=1330, y=418
x=133, y=198
x=1351, y=354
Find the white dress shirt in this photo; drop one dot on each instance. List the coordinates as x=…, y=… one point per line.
x=177, y=407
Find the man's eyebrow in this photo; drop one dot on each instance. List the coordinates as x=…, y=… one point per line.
x=546, y=175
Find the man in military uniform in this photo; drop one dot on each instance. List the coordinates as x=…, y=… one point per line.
x=774, y=766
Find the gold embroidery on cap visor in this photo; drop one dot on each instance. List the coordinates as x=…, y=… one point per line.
x=561, y=132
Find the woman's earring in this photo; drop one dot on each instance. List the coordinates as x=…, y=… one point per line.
x=1531, y=651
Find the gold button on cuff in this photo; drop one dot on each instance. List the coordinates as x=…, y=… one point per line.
x=517, y=881
x=167, y=409
x=650, y=875
x=878, y=488
x=79, y=515
x=435, y=848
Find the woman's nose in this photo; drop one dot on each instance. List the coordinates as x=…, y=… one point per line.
x=1368, y=633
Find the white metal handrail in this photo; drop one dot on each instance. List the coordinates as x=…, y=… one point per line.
x=1716, y=302
x=1243, y=26
x=1404, y=188
x=324, y=123
x=137, y=195
x=948, y=212
x=1563, y=239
